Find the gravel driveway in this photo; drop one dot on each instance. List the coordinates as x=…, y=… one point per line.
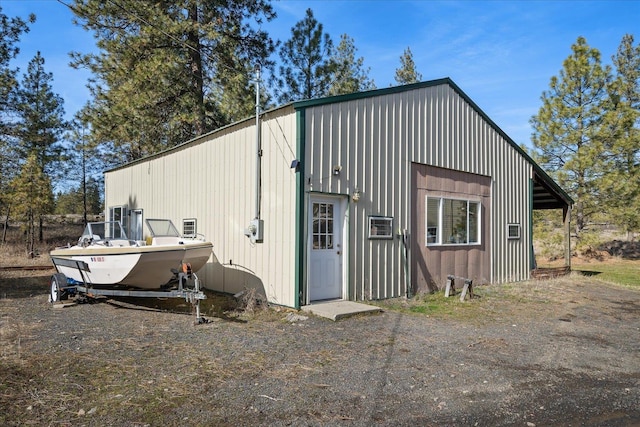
x=564, y=352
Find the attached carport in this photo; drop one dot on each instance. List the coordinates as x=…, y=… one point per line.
x=547, y=195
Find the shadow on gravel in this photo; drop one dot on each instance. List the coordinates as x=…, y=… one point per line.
x=23, y=287
x=216, y=305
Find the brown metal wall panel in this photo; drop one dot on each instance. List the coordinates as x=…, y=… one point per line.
x=435, y=262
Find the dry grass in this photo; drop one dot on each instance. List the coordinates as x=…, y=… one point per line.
x=12, y=333
x=58, y=232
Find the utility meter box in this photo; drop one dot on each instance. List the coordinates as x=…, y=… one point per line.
x=255, y=231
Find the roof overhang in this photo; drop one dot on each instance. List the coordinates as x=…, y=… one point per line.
x=547, y=194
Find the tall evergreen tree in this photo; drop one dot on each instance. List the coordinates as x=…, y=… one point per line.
x=350, y=74
x=40, y=120
x=84, y=171
x=621, y=184
x=40, y=124
x=32, y=197
x=10, y=31
x=407, y=73
x=164, y=68
x=307, y=69
x=567, y=131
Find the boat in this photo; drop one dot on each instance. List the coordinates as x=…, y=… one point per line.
x=104, y=256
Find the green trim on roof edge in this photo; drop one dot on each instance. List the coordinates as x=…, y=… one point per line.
x=372, y=93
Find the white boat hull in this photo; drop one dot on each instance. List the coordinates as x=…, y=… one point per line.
x=144, y=267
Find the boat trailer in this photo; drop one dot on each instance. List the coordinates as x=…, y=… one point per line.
x=62, y=288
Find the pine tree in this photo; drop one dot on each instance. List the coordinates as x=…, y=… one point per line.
x=10, y=31
x=307, y=69
x=40, y=123
x=350, y=74
x=407, y=73
x=83, y=170
x=621, y=184
x=164, y=68
x=31, y=198
x=567, y=129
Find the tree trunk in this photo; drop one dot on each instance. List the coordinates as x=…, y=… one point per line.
x=579, y=215
x=30, y=235
x=196, y=68
x=6, y=225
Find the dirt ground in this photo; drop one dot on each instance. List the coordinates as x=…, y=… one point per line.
x=562, y=352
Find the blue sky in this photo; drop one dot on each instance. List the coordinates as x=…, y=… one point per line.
x=501, y=53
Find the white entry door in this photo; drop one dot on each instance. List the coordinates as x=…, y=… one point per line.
x=326, y=247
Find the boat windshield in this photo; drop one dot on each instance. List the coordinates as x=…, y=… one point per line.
x=104, y=230
x=162, y=228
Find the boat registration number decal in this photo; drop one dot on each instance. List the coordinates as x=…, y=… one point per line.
x=97, y=258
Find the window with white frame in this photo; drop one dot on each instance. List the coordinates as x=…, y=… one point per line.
x=452, y=221
x=118, y=214
x=189, y=227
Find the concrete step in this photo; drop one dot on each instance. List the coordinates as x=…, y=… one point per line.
x=336, y=310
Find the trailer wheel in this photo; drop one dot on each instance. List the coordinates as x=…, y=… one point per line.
x=58, y=282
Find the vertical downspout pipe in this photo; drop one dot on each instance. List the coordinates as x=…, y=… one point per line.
x=258, y=147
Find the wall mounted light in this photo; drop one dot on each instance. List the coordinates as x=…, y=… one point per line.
x=337, y=169
x=356, y=195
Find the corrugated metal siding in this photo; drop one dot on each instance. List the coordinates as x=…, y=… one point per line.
x=376, y=139
x=212, y=179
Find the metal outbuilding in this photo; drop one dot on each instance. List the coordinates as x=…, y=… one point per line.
x=365, y=196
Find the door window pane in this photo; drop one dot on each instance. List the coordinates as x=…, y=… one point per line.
x=322, y=226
